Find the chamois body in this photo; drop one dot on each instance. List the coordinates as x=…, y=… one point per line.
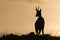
x=39, y=24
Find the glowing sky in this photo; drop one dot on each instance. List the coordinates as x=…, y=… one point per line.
x=18, y=16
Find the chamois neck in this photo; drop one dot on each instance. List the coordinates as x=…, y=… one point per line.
x=40, y=17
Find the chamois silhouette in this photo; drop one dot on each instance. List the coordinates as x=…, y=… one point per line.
x=39, y=24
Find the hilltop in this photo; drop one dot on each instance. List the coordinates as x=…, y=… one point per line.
x=30, y=36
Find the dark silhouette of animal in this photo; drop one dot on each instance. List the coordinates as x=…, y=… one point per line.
x=39, y=24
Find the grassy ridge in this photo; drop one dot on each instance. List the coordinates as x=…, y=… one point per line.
x=30, y=36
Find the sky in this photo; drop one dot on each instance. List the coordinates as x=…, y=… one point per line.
x=18, y=16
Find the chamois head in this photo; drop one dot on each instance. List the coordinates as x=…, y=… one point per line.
x=38, y=12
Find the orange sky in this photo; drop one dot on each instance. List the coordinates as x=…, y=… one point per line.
x=18, y=16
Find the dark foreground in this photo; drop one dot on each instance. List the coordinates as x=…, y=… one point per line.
x=30, y=36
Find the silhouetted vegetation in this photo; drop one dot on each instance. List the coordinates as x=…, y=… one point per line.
x=30, y=36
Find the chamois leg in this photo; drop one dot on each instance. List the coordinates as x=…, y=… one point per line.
x=39, y=31
x=36, y=31
x=42, y=31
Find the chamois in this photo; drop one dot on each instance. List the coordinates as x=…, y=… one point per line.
x=39, y=24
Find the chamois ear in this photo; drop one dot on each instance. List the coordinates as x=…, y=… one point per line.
x=36, y=8
x=39, y=8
